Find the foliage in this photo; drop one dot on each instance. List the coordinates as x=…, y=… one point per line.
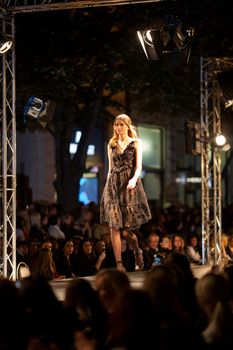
x=88, y=57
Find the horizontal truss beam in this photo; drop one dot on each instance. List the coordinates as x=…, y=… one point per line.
x=24, y=6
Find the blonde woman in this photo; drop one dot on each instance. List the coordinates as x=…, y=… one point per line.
x=124, y=204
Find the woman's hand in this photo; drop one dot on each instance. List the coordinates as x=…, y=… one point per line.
x=102, y=256
x=131, y=184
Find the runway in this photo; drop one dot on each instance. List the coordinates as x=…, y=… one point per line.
x=136, y=280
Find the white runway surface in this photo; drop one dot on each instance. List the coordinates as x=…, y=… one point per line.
x=136, y=280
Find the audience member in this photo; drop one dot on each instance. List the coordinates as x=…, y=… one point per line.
x=193, y=252
x=65, y=259
x=87, y=262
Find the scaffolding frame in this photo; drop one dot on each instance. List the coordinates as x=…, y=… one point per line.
x=211, y=187
x=8, y=155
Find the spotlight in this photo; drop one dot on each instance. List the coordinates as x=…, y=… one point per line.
x=228, y=103
x=5, y=43
x=39, y=110
x=220, y=140
x=225, y=80
x=167, y=39
x=147, y=39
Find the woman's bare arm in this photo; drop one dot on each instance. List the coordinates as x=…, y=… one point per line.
x=109, y=159
x=138, y=167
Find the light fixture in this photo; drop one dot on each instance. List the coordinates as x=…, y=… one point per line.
x=147, y=39
x=220, y=140
x=225, y=80
x=5, y=43
x=167, y=39
x=228, y=103
x=194, y=139
x=40, y=110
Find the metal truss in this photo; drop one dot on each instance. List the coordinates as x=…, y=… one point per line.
x=20, y=6
x=8, y=156
x=8, y=9
x=211, y=158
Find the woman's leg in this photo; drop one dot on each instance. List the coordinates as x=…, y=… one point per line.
x=132, y=239
x=116, y=245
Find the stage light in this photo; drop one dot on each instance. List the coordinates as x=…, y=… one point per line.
x=5, y=43
x=40, y=110
x=147, y=39
x=225, y=80
x=228, y=103
x=194, y=139
x=167, y=39
x=220, y=140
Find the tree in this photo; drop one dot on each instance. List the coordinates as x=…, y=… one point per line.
x=93, y=56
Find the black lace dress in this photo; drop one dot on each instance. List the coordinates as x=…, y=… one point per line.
x=119, y=207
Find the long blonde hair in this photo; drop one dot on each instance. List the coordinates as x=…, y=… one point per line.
x=131, y=129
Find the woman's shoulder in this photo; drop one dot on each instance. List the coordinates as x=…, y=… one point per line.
x=135, y=139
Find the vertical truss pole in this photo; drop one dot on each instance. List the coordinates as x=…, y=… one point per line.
x=8, y=155
x=210, y=163
x=205, y=149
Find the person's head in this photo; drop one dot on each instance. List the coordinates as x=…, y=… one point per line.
x=165, y=242
x=53, y=210
x=54, y=220
x=99, y=246
x=153, y=241
x=44, y=220
x=81, y=296
x=35, y=218
x=178, y=242
x=122, y=125
x=32, y=246
x=67, y=219
x=131, y=326
x=111, y=284
x=85, y=246
x=160, y=285
x=68, y=247
x=86, y=214
x=45, y=266
x=123, y=245
x=212, y=290
x=47, y=244
x=22, y=247
x=193, y=241
x=228, y=272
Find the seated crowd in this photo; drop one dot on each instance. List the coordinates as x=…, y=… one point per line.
x=172, y=309
x=57, y=245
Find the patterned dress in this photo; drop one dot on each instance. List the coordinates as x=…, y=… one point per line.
x=120, y=207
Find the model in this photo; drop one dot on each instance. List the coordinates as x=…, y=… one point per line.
x=124, y=204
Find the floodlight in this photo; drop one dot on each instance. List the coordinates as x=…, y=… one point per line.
x=228, y=103
x=40, y=110
x=5, y=43
x=167, y=39
x=147, y=39
x=225, y=80
x=220, y=140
